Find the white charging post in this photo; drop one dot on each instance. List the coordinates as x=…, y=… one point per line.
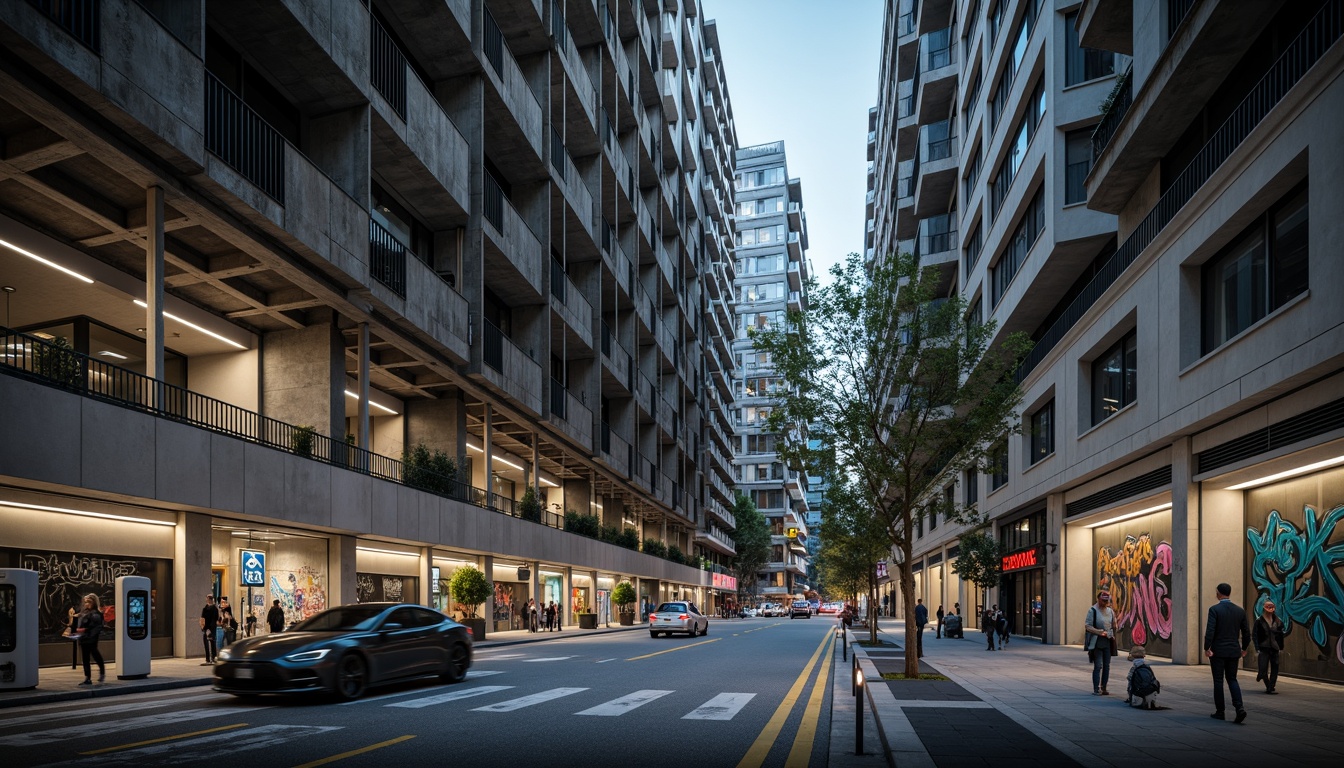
x=133, y=615
x=18, y=629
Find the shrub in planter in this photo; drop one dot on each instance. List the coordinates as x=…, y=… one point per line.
x=629, y=539
x=583, y=525
x=433, y=471
x=301, y=440
x=622, y=597
x=675, y=555
x=655, y=548
x=529, y=508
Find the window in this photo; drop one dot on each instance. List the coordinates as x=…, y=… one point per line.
x=768, y=499
x=761, y=235
x=761, y=321
x=975, y=316
x=940, y=233
x=1259, y=272
x=972, y=249
x=1115, y=378
x=1017, y=147
x=1083, y=64
x=760, y=292
x=996, y=17
x=1042, y=432
x=972, y=487
x=1077, y=164
x=760, y=207
x=998, y=466
x=760, y=178
x=1029, y=228
x=760, y=443
x=939, y=45
x=1017, y=51
x=755, y=265
x=760, y=386
x=972, y=174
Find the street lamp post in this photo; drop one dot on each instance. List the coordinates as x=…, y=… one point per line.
x=858, y=711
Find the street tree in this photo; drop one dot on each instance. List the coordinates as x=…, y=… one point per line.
x=751, y=542
x=900, y=381
x=979, y=560
x=855, y=541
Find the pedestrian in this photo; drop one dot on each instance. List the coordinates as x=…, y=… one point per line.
x=209, y=623
x=1100, y=645
x=250, y=625
x=275, y=618
x=941, y=614
x=956, y=608
x=226, y=620
x=1227, y=635
x=1269, y=632
x=1141, y=686
x=987, y=624
x=921, y=618
x=550, y=616
x=88, y=630
x=886, y=605
x=532, y=618
x=1001, y=625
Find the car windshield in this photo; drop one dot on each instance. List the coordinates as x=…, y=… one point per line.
x=672, y=608
x=342, y=619
x=802, y=604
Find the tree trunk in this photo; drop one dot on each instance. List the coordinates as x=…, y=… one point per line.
x=911, y=630
x=872, y=609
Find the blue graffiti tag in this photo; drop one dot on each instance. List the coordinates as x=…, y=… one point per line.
x=1290, y=565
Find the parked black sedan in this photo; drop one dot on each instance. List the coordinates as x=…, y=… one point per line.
x=347, y=649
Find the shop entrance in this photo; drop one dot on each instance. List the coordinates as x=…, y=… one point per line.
x=1022, y=600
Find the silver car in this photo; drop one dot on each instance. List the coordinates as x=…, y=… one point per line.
x=679, y=616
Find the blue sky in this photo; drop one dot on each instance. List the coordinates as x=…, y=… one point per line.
x=805, y=71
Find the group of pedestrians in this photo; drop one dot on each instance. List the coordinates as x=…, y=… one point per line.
x=219, y=628
x=994, y=622
x=541, y=618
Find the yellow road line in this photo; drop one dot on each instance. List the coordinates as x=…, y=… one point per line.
x=132, y=745
x=354, y=752
x=761, y=747
x=801, y=753
x=670, y=650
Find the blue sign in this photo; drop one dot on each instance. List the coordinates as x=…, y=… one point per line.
x=254, y=567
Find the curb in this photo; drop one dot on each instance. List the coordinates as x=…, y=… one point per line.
x=101, y=693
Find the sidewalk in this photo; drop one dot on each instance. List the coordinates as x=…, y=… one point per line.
x=63, y=683
x=1033, y=704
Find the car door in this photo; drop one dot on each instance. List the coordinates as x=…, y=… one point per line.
x=399, y=647
x=699, y=618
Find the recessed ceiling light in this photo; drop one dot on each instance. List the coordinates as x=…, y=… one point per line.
x=1286, y=474
x=51, y=264
x=109, y=353
x=193, y=326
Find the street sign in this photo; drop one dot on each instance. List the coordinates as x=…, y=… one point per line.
x=254, y=567
x=793, y=533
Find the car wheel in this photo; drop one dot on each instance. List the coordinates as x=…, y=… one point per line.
x=705, y=631
x=459, y=659
x=352, y=677
x=653, y=635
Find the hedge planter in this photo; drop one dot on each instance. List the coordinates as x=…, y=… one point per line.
x=587, y=621
x=477, y=627
x=628, y=619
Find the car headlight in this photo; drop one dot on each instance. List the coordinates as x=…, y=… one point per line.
x=224, y=654
x=316, y=655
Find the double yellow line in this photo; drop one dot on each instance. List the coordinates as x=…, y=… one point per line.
x=801, y=752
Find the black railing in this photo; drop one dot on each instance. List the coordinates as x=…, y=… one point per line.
x=387, y=259
x=558, y=280
x=493, y=45
x=937, y=242
x=605, y=434
x=1303, y=53
x=558, y=153
x=1176, y=13
x=56, y=365
x=81, y=18
x=606, y=339
x=239, y=137
x=492, y=350
x=558, y=404
x=494, y=203
x=558, y=29
x=1105, y=130
x=387, y=67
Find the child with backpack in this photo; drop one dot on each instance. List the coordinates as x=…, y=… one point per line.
x=1143, y=684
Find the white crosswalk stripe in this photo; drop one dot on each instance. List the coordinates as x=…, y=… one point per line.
x=617, y=707
x=471, y=675
x=549, y=658
x=725, y=706
x=205, y=748
x=454, y=695
x=527, y=701
x=114, y=726
x=116, y=709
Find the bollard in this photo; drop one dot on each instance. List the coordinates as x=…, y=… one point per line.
x=858, y=712
x=843, y=646
x=853, y=676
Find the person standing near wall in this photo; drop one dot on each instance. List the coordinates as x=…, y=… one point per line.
x=275, y=618
x=1226, y=638
x=226, y=621
x=1269, y=632
x=209, y=622
x=88, y=630
x=1100, y=630
x=921, y=618
x=941, y=614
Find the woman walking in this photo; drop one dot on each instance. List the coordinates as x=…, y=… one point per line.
x=88, y=628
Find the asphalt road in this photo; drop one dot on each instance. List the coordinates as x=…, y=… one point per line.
x=751, y=693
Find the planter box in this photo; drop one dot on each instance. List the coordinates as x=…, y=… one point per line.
x=477, y=627
x=587, y=621
x=627, y=619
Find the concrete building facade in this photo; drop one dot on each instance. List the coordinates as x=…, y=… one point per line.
x=1170, y=253
x=339, y=288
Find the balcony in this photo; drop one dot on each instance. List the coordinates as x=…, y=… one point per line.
x=938, y=239
x=613, y=449
x=938, y=74
x=512, y=243
x=795, y=303
x=513, y=89
x=513, y=372
x=795, y=245
x=716, y=540
x=571, y=415
x=246, y=143
x=569, y=303
x=937, y=168
x=617, y=365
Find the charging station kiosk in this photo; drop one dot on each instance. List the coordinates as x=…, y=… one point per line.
x=133, y=615
x=18, y=629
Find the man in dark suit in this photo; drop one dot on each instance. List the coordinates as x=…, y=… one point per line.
x=1226, y=638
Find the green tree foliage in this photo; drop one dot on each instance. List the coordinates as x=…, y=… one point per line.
x=655, y=547
x=584, y=525
x=979, y=559
x=433, y=471
x=470, y=588
x=908, y=392
x=855, y=541
x=623, y=595
x=751, y=542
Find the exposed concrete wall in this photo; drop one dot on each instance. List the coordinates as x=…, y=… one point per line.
x=439, y=424
x=193, y=579
x=233, y=377
x=339, y=144
x=303, y=378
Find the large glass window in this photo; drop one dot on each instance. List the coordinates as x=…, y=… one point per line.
x=1115, y=378
x=1042, y=432
x=1029, y=228
x=974, y=244
x=761, y=207
x=998, y=466
x=1077, y=164
x=1017, y=147
x=1259, y=272
x=1083, y=64
x=760, y=178
x=760, y=292
x=762, y=235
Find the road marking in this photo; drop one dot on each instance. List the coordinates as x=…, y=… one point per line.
x=527, y=701
x=134, y=744
x=725, y=706
x=761, y=747
x=548, y=658
x=801, y=753
x=86, y=730
x=443, y=698
x=354, y=752
x=670, y=650
x=471, y=675
x=202, y=749
x=604, y=661
x=14, y=722
x=618, y=707
x=496, y=657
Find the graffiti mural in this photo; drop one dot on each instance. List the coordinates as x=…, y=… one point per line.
x=377, y=588
x=1300, y=568
x=1134, y=562
x=63, y=578
x=301, y=592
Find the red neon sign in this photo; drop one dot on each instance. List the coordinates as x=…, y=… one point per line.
x=1019, y=560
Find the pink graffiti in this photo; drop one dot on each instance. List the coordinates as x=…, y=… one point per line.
x=1138, y=577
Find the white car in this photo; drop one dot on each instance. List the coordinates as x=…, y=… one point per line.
x=680, y=616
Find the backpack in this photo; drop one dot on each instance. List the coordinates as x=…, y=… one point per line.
x=1145, y=682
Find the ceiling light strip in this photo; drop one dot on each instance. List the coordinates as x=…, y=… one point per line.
x=84, y=513
x=1289, y=473
x=48, y=262
x=193, y=326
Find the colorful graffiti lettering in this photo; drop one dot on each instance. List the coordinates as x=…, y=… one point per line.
x=1139, y=579
x=300, y=593
x=1296, y=569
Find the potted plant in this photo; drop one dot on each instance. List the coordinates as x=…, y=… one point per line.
x=470, y=588
x=623, y=596
x=529, y=508
x=587, y=620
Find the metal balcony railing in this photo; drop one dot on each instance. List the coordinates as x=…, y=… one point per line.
x=1105, y=130
x=54, y=365
x=558, y=153
x=1177, y=10
x=81, y=18
x=492, y=351
x=1323, y=31
x=493, y=44
x=387, y=259
x=494, y=203
x=558, y=399
x=245, y=142
x=558, y=280
x=387, y=67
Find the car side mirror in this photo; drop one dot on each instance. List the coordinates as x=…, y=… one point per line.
x=391, y=625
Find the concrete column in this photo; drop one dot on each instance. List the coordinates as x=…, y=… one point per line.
x=1054, y=628
x=487, y=566
x=567, y=592
x=192, y=580
x=154, y=283
x=341, y=582
x=487, y=443
x=426, y=596
x=364, y=387
x=1216, y=554
x=303, y=377
x=533, y=474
